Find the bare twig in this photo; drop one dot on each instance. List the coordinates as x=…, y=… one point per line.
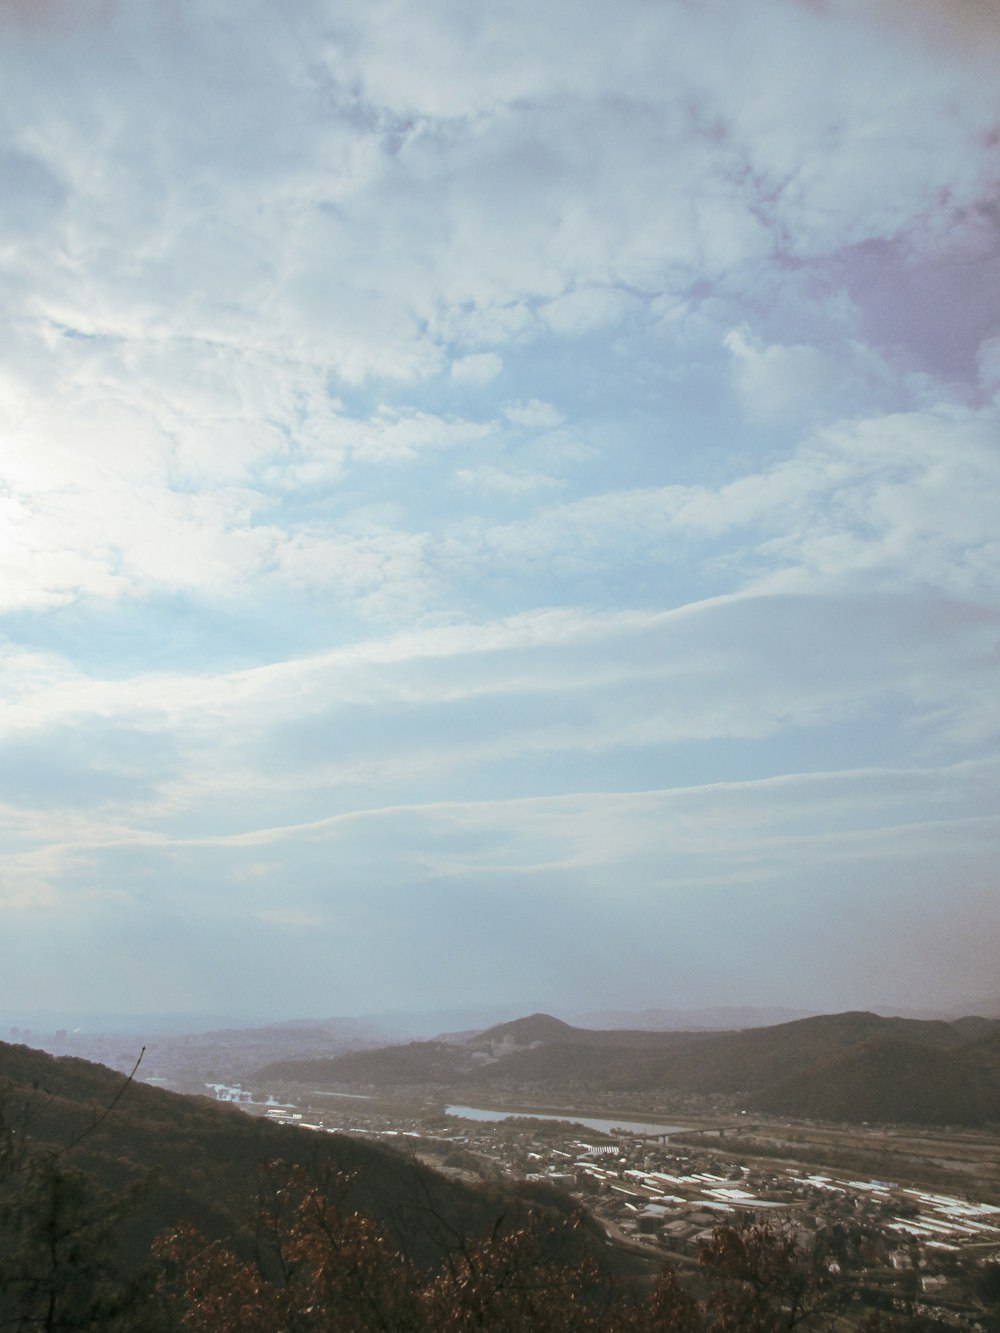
x=84, y=1133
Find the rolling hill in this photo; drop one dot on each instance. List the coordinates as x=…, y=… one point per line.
x=853, y=1066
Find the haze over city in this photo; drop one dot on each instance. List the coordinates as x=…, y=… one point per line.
x=499, y=502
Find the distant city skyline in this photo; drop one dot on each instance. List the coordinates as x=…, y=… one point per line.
x=499, y=501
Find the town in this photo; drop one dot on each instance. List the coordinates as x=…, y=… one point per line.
x=662, y=1189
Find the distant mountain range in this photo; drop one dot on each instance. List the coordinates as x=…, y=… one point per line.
x=852, y=1066
x=188, y=1061
x=719, y=1018
x=407, y=1024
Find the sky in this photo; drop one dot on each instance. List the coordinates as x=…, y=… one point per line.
x=499, y=501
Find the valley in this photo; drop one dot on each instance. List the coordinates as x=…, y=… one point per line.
x=905, y=1213
x=908, y=1214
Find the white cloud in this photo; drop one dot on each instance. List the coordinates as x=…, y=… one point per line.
x=410, y=715
x=907, y=497
x=512, y=176
x=477, y=368
x=533, y=415
x=802, y=383
x=393, y=436
x=275, y=551
x=498, y=481
x=585, y=310
x=104, y=500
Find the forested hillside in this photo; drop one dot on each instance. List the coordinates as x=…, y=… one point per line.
x=198, y=1160
x=851, y=1066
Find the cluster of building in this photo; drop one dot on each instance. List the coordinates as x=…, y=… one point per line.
x=900, y=1246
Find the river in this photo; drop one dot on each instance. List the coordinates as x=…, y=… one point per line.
x=590, y=1122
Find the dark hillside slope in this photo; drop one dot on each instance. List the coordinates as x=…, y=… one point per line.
x=985, y=1051
x=433, y=1062
x=853, y=1066
x=206, y=1158
x=710, y=1063
x=735, y=1062
x=888, y=1079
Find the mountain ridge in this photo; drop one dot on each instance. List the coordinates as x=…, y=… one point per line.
x=830, y=1066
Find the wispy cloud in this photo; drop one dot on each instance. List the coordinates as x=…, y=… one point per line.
x=548, y=457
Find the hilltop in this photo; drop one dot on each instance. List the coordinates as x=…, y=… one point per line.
x=854, y=1066
x=522, y=1032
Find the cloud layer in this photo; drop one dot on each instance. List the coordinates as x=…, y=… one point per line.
x=489, y=491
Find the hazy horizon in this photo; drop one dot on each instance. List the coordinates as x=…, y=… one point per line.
x=406, y=1024
x=499, y=501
